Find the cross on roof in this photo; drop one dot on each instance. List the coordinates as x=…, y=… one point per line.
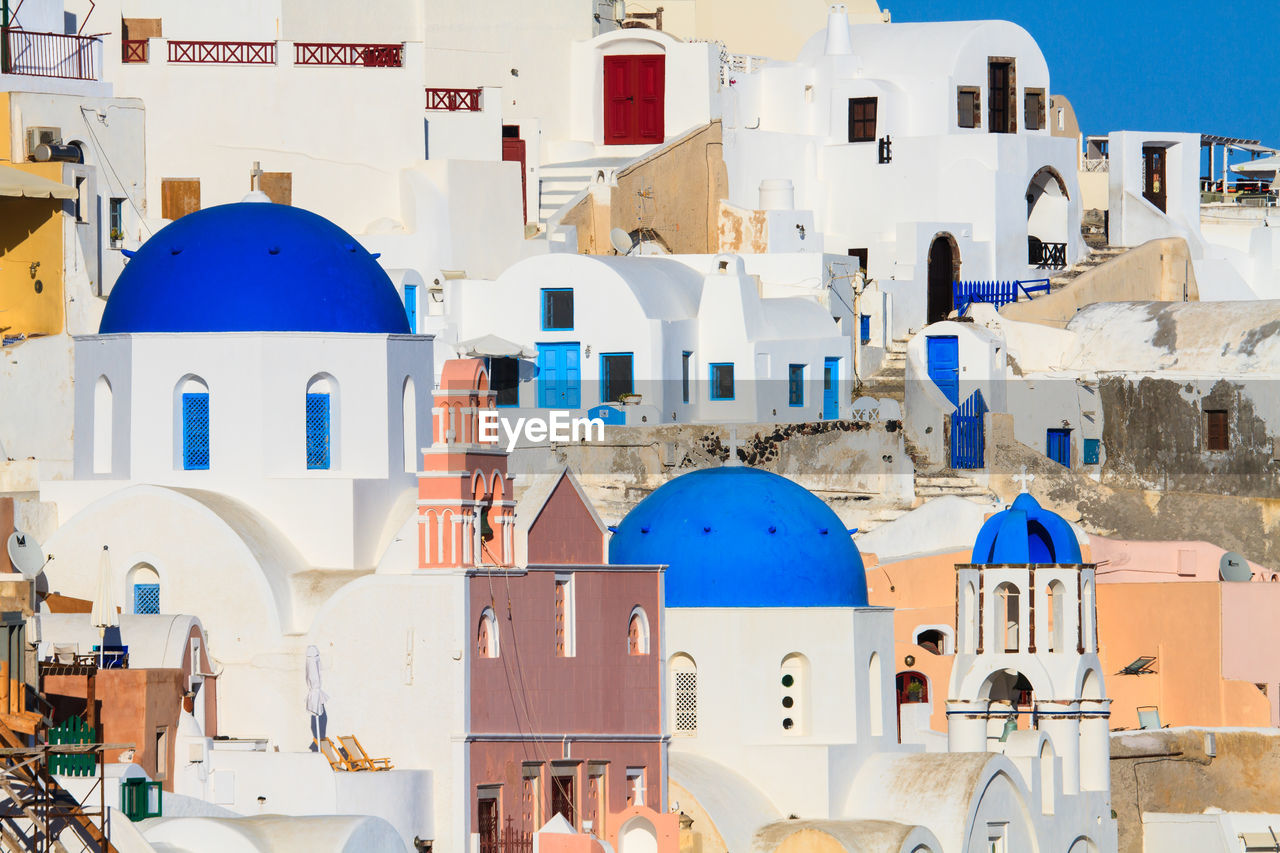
x=734, y=445
x=1024, y=478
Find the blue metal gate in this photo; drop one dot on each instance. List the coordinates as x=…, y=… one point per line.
x=968, y=440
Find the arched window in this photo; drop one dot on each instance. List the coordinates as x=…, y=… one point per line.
x=638, y=632
x=144, y=587
x=793, y=678
x=912, y=688
x=1056, y=595
x=102, y=426
x=193, y=434
x=409, y=418
x=319, y=422
x=487, y=635
x=935, y=640
x=876, y=694
x=1088, y=638
x=1007, y=616
x=684, y=695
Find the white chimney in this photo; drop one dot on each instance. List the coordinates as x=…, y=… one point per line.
x=838, y=41
x=777, y=194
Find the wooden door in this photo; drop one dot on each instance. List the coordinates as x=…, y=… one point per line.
x=1153, y=171
x=942, y=273
x=513, y=150
x=179, y=196
x=487, y=825
x=1002, y=114
x=634, y=99
x=562, y=799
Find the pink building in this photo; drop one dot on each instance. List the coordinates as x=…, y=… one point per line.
x=565, y=660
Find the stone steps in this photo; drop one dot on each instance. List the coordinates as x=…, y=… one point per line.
x=1096, y=259
x=558, y=183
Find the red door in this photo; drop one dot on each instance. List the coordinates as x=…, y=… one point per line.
x=513, y=150
x=634, y=99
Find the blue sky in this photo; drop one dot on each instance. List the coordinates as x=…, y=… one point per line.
x=1147, y=65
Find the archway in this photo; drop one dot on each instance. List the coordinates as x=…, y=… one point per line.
x=1048, y=223
x=944, y=269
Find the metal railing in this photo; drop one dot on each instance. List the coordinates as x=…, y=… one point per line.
x=454, y=100
x=223, y=52
x=997, y=293
x=368, y=55
x=69, y=57
x=134, y=50
x=1047, y=256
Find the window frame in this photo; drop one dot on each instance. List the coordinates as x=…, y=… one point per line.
x=795, y=385
x=1210, y=416
x=1009, y=91
x=546, y=296
x=500, y=392
x=606, y=377
x=187, y=428
x=974, y=111
x=686, y=373
x=713, y=395
x=115, y=222
x=858, y=124
x=1039, y=115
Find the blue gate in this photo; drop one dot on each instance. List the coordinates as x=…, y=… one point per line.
x=968, y=440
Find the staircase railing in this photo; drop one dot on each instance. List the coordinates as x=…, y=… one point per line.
x=997, y=293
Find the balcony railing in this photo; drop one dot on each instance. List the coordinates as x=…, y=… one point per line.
x=223, y=52
x=1046, y=256
x=70, y=57
x=133, y=50
x=368, y=55
x=454, y=100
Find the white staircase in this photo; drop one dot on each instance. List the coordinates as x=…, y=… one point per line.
x=558, y=183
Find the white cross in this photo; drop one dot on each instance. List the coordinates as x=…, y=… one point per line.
x=734, y=444
x=1024, y=478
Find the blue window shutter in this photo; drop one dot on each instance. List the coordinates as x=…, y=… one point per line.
x=195, y=432
x=1091, y=451
x=146, y=598
x=317, y=431
x=864, y=328
x=795, y=385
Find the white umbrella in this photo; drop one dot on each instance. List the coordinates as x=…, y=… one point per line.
x=1264, y=168
x=105, y=612
x=315, y=696
x=494, y=346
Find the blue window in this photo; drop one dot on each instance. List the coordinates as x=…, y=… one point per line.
x=146, y=598
x=686, y=360
x=1058, y=446
x=1092, y=446
x=557, y=309
x=864, y=328
x=317, y=431
x=722, y=381
x=195, y=431
x=795, y=385
x=616, y=376
x=411, y=306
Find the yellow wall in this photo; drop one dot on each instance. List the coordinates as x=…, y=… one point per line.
x=6, y=129
x=30, y=231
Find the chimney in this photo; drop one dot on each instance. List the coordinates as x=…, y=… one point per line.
x=838, y=41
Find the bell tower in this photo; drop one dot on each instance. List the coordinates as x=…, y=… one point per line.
x=465, y=506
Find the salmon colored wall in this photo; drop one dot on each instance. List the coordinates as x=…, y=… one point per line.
x=31, y=231
x=1125, y=561
x=565, y=533
x=132, y=705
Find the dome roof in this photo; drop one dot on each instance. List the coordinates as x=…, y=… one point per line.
x=1025, y=533
x=742, y=537
x=253, y=268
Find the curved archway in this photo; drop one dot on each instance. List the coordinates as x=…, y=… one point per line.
x=1048, y=220
x=103, y=415
x=487, y=635
x=638, y=632
x=1055, y=616
x=684, y=694
x=943, y=270
x=638, y=835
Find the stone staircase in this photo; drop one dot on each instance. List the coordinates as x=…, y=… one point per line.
x=1097, y=258
x=558, y=183
x=890, y=379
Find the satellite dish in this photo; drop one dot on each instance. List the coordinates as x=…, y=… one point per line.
x=1234, y=567
x=621, y=241
x=26, y=554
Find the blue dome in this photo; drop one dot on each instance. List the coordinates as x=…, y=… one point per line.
x=1025, y=533
x=253, y=267
x=742, y=537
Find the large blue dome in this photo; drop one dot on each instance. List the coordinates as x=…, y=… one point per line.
x=742, y=537
x=253, y=267
x=1025, y=533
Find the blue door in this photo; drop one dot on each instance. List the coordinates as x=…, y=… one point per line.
x=1058, y=446
x=943, y=354
x=411, y=306
x=559, y=376
x=831, y=389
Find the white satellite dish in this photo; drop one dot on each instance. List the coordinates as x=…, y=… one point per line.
x=1234, y=567
x=26, y=554
x=621, y=241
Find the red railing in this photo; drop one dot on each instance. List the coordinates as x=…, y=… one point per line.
x=223, y=52
x=133, y=50
x=454, y=100
x=369, y=55
x=49, y=54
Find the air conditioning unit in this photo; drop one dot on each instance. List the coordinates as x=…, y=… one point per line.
x=37, y=136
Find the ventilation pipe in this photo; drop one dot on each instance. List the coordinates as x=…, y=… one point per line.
x=777, y=194
x=838, y=41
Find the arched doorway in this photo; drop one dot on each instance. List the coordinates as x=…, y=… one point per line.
x=1048, y=223
x=944, y=269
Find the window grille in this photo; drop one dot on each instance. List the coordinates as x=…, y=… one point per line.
x=195, y=432
x=686, y=702
x=146, y=598
x=317, y=431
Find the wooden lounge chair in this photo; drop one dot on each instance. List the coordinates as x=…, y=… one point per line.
x=333, y=755
x=360, y=759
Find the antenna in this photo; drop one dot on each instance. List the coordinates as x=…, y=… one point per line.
x=26, y=554
x=1234, y=567
x=621, y=241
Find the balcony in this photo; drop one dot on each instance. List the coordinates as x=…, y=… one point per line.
x=368, y=55
x=134, y=50
x=222, y=52
x=454, y=100
x=69, y=57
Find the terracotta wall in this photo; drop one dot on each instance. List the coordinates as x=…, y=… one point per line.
x=565, y=532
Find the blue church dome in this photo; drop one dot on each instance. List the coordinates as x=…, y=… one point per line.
x=742, y=537
x=1025, y=533
x=253, y=267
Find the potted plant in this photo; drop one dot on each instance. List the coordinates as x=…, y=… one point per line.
x=914, y=689
x=116, y=236
x=629, y=399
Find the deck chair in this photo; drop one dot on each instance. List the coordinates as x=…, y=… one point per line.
x=333, y=755
x=1148, y=717
x=360, y=759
